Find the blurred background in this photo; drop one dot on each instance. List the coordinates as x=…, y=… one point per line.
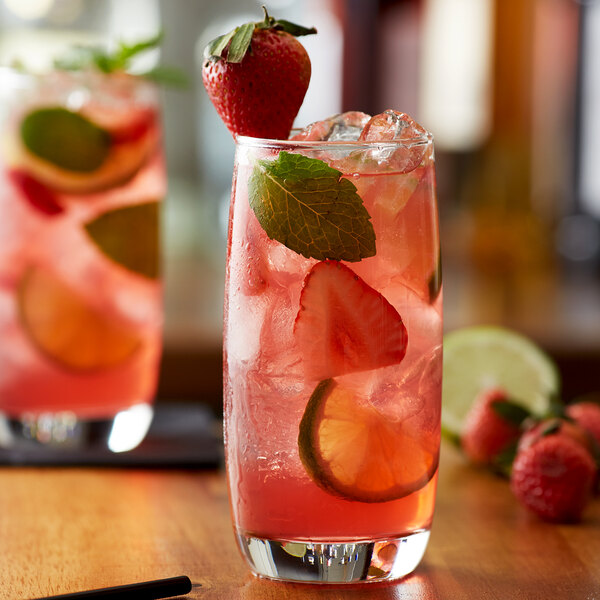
x=510, y=90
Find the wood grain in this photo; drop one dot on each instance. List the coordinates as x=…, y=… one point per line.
x=65, y=530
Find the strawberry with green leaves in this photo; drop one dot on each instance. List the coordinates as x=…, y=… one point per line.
x=257, y=76
x=492, y=428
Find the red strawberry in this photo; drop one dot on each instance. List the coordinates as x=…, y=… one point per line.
x=491, y=427
x=556, y=426
x=587, y=415
x=256, y=77
x=135, y=128
x=554, y=478
x=344, y=325
x=36, y=193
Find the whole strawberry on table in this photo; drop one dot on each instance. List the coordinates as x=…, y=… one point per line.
x=502, y=408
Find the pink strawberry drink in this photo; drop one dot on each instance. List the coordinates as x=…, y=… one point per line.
x=333, y=349
x=81, y=181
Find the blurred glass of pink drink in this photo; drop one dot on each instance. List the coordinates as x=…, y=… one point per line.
x=82, y=179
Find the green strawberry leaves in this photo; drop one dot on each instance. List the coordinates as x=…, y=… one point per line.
x=511, y=411
x=237, y=41
x=239, y=37
x=309, y=207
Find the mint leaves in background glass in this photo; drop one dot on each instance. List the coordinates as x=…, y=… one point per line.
x=309, y=207
x=119, y=59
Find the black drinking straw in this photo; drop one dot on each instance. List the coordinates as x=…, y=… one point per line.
x=146, y=590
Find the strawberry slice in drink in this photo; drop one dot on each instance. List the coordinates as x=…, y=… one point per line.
x=39, y=197
x=344, y=325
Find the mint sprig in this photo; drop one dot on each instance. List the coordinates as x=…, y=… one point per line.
x=120, y=59
x=309, y=207
x=237, y=41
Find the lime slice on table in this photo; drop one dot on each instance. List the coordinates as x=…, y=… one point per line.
x=352, y=450
x=129, y=236
x=64, y=327
x=481, y=357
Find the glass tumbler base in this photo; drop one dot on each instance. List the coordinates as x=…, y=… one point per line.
x=47, y=431
x=335, y=563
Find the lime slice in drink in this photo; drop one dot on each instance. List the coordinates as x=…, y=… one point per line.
x=481, y=357
x=129, y=235
x=68, y=152
x=354, y=451
x=64, y=327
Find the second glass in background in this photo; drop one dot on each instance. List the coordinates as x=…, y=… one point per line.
x=81, y=184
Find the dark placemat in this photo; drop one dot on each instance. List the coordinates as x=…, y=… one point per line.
x=182, y=435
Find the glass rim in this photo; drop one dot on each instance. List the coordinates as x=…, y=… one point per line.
x=267, y=143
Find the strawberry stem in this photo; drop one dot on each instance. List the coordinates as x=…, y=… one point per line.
x=268, y=21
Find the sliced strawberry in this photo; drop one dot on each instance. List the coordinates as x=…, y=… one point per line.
x=134, y=129
x=37, y=194
x=344, y=325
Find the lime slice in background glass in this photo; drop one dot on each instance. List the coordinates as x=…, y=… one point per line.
x=129, y=235
x=66, y=329
x=65, y=139
x=481, y=357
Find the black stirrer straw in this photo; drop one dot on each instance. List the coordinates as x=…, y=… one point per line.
x=146, y=590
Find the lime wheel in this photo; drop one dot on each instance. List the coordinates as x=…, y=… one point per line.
x=65, y=328
x=354, y=451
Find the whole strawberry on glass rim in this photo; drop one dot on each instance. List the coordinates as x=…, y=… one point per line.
x=257, y=75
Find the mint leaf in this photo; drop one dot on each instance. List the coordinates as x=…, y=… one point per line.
x=168, y=76
x=80, y=58
x=309, y=207
x=125, y=52
x=65, y=139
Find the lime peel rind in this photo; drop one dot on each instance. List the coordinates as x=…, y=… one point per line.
x=481, y=357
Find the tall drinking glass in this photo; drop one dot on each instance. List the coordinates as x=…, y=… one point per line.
x=81, y=184
x=333, y=356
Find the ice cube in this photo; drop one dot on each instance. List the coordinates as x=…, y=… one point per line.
x=394, y=126
x=344, y=127
x=243, y=325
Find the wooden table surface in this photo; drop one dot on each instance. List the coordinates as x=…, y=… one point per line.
x=69, y=529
